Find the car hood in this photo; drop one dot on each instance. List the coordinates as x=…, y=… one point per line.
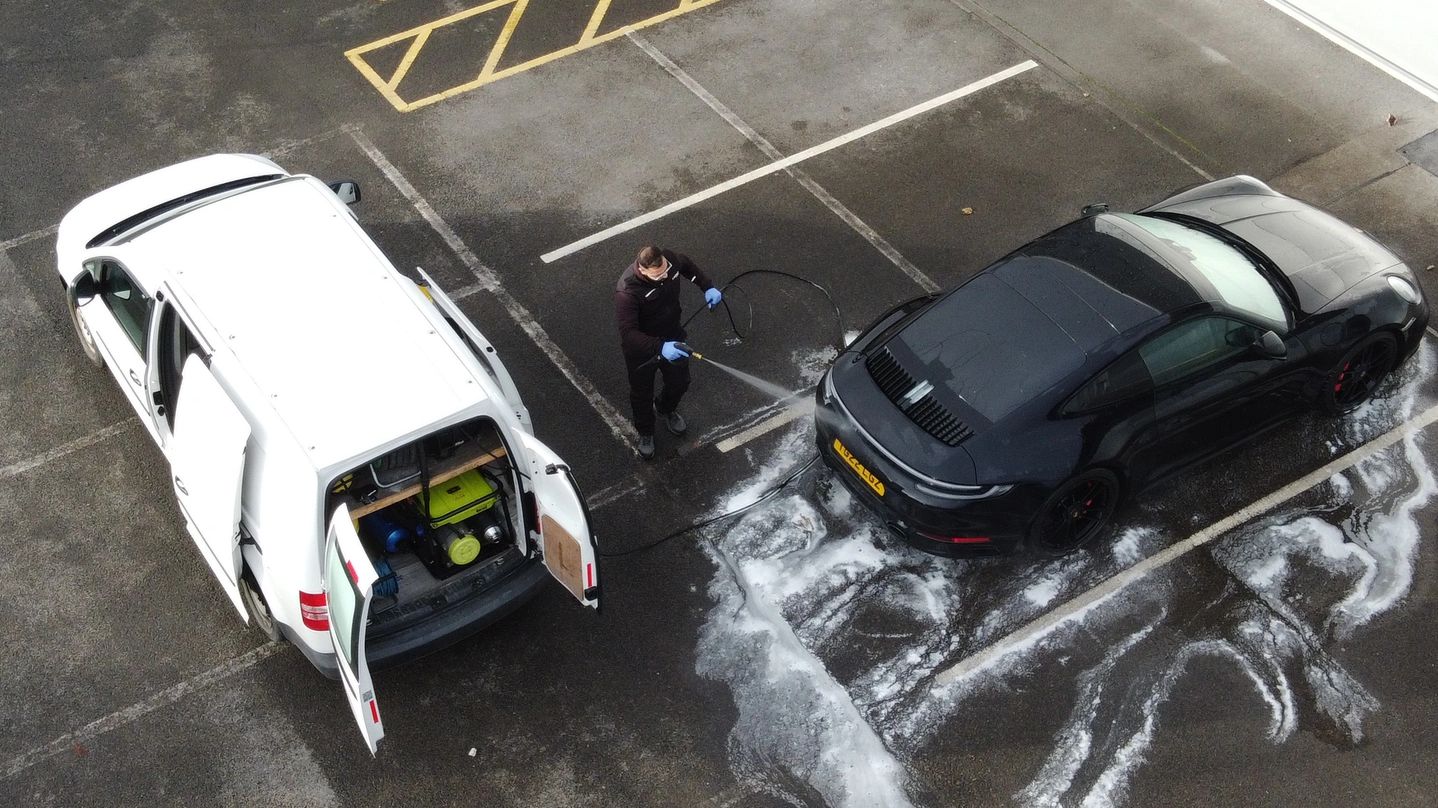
x=1321, y=255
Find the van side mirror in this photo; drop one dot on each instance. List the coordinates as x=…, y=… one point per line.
x=83, y=290
x=1270, y=345
x=1094, y=209
x=347, y=190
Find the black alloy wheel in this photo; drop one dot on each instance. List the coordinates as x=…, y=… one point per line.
x=1359, y=373
x=260, y=615
x=1076, y=513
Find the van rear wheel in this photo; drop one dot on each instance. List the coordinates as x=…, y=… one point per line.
x=87, y=340
x=260, y=615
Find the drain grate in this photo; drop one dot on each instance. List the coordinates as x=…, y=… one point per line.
x=1423, y=152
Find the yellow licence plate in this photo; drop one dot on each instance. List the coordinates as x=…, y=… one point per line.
x=855, y=466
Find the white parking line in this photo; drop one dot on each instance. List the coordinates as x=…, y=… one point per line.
x=764, y=171
x=488, y=281
x=1029, y=633
x=813, y=187
x=790, y=413
x=120, y=718
x=28, y=237
x=20, y=467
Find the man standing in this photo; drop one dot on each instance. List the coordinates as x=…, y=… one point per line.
x=646, y=306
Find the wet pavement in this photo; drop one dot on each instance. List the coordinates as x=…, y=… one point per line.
x=795, y=654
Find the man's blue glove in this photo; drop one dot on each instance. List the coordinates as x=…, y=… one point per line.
x=712, y=297
x=672, y=352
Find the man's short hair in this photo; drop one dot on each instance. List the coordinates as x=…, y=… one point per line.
x=650, y=257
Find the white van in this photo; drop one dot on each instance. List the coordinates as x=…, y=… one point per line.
x=350, y=455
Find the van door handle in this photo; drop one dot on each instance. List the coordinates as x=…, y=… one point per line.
x=180, y=486
x=135, y=377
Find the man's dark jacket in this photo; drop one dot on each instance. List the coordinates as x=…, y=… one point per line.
x=648, y=311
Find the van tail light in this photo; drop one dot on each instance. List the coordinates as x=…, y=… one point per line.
x=957, y=539
x=315, y=611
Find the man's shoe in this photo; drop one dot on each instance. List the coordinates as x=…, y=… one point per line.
x=646, y=446
x=675, y=422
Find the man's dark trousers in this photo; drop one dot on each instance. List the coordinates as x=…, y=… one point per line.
x=641, y=389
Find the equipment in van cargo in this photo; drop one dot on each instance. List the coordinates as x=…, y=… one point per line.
x=384, y=531
x=388, y=584
x=397, y=467
x=459, y=498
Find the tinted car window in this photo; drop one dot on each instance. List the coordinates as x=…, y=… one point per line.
x=1124, y=378
x=128, y=303
x=988, y=345
x=1194, y=345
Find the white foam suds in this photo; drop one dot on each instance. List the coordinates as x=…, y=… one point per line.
x=811, y=579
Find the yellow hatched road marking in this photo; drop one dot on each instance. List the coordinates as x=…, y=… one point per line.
x=408, y=60
x=504, y=36
x=489, y=72
x=594, y=19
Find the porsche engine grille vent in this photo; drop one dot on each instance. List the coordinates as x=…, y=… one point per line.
x=924, y=410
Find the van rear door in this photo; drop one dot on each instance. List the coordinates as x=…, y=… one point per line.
x=567, y=541
x=207, y=467
x=478, y=345
x=349, y=585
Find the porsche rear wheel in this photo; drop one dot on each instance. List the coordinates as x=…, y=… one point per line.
x=1076, y=513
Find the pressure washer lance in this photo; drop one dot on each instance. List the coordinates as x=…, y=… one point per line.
x=693, y=354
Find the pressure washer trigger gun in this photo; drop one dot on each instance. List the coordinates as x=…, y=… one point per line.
x=693, y=354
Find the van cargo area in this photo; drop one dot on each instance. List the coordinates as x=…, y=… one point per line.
x=438, y=518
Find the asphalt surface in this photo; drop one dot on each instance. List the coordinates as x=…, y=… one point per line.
x=795, y=655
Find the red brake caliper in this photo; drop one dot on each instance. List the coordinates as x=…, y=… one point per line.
x=1339, y=386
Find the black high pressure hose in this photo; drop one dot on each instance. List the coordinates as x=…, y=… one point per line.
x=772, y=490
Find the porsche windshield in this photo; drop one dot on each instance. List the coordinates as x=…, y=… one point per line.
x=1230, y=275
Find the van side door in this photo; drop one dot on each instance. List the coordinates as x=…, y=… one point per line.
x=207, y=467
x=349, y=587
x=481, y=348
x=173, y=341
x=567, y=541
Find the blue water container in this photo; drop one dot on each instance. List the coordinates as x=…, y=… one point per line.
x=380, y=529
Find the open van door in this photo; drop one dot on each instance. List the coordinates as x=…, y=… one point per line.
x=482, y=349
x=566, y=540
x=349, y=584
x=207, y=467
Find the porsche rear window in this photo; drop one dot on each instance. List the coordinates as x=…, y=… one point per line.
x=988, y=345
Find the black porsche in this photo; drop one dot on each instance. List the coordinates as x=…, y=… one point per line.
x=1017, y=410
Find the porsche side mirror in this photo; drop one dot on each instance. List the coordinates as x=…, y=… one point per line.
x=83, y=290
x=1270, y=345
x=347, y=190
x=1094, y=209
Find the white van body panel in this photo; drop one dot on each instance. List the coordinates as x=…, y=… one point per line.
x=207, y=464
x=113, y=205
x=314, y=314
x=329, y=356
